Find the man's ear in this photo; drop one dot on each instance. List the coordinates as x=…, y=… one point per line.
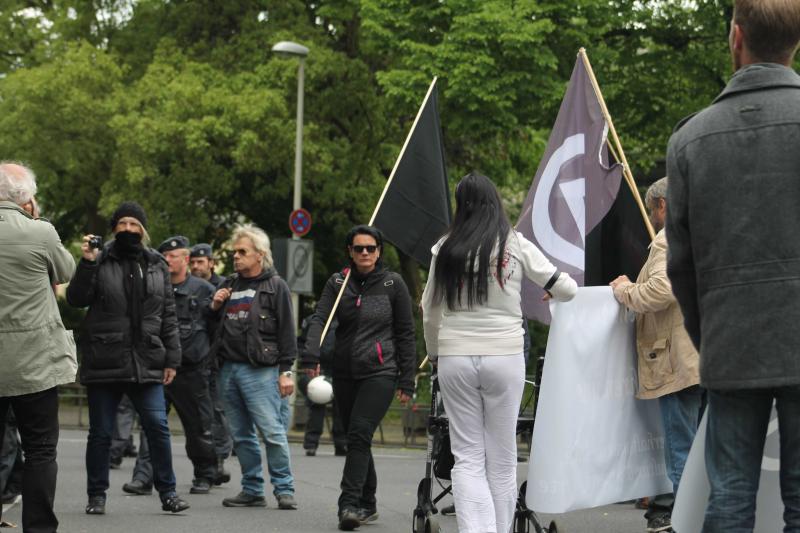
x=737, y=37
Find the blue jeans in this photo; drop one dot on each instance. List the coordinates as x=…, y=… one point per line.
x=681, y=412
x=737, y=429
x=252, y=402
x=148, y=400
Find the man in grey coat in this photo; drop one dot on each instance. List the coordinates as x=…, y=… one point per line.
x=36, y=353
x=734, y=260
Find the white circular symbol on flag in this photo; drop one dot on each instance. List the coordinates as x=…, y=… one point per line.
x=574, y=191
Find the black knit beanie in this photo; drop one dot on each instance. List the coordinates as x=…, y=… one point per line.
x=129, y=209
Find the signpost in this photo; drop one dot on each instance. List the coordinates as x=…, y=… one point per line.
x=294, y=260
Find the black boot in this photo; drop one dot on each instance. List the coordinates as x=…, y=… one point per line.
x=96, y=505
x=174, y=504
x=223, y=476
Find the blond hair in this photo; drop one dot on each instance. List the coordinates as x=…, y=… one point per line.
x=260, y=241
x=771, y=28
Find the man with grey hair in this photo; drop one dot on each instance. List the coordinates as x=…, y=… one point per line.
x=668, y=362
x=735, y=260
x=36, y=353
x=255, y=344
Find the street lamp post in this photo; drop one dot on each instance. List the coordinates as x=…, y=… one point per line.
x=290, y=49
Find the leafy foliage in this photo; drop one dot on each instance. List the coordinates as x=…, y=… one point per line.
x=180, y=104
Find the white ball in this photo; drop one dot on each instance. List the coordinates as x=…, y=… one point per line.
x=320, y=390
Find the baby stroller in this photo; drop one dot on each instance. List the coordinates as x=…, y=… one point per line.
x=439, y=461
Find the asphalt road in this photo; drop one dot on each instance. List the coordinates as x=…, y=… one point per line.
x=316, y=480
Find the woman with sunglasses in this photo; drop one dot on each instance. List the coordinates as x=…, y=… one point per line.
x=374, y=360
x=472, y=322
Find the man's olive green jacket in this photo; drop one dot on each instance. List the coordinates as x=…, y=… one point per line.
x=36, y=352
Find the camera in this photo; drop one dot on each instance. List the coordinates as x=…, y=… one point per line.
x=96, y=242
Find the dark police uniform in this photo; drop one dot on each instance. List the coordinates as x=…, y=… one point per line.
x=217, y=280
x=189, y=392
x=219, y=426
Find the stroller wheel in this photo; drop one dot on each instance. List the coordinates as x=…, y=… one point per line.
x=554, y=528
x=418, y=526
x=526, y=522
x=431, y=524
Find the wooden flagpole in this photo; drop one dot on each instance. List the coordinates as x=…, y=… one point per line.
x=378, y=206
x=626, y=171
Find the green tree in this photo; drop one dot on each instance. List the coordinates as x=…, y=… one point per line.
x=181, y=105
x=57, y=118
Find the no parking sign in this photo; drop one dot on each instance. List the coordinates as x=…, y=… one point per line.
x=300, y=222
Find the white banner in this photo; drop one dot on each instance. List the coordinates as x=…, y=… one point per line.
x=594, y=443
x=690, y=504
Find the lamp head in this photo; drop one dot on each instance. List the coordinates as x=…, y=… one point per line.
x=290, y=49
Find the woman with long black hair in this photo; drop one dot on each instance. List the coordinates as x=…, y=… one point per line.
x=473, y=330
x=374, y=360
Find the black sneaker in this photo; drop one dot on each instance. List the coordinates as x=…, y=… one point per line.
x=286, y=501
x=659, y=523
x=200, y=486
x=348, y=520
x=138, y=487
x=450, y=510
x=96, y=505
x=115, y=463
x=244, y=499
x=173, y=504
x=367, y=515
x=311, y=452
x=340, y=451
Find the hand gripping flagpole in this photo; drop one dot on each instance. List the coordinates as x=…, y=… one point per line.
x=380, y=201
x=626, y=171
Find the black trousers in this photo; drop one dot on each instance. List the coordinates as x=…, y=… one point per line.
x=37, y=420
x=189, y=394
x=11, y=464
x=362, y=405
x=223, y=443
x=316, y=420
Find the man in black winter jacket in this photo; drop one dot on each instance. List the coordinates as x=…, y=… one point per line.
x=129, y=344
x=255, y=346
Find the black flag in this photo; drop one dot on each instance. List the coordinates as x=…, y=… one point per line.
x=619, y=244
x=415, y=210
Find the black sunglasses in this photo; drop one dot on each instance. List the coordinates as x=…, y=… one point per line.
x=358, y=248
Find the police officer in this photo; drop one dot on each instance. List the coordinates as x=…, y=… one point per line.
x=189, y=391
x=201, y=261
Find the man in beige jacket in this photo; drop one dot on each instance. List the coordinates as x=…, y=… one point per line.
x=36, y=353
x=668, y=361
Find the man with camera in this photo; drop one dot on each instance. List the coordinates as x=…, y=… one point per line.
x=188, y=392
x=130, y=344
x=36, y=353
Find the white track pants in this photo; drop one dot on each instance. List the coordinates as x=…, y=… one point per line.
x=481, y=396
